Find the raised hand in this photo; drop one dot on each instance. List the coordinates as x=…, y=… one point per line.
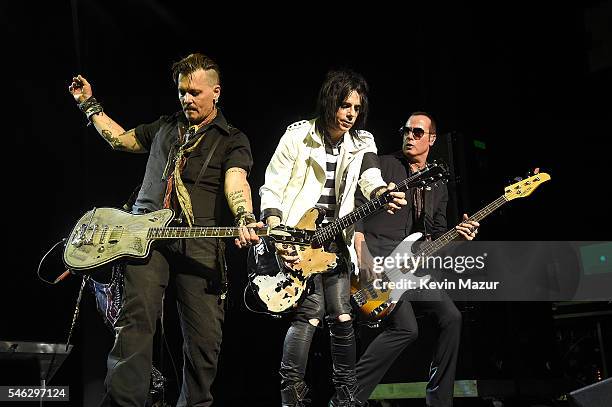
x=80, y=89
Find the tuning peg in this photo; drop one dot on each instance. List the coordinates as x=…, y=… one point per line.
x=532, y=173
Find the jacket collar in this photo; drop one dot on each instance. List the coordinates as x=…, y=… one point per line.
x=219, y=122
x=350, y=144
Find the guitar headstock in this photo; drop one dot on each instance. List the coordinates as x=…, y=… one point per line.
x=430, y=174
x=525, y=187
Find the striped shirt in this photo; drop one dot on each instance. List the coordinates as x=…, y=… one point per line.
x=327, y=200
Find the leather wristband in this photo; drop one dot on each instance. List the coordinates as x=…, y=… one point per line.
x=244, y=218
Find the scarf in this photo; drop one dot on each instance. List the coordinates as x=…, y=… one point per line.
x=174, y=180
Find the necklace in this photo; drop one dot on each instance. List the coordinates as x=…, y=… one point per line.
x=416, y=167
x=194, y=128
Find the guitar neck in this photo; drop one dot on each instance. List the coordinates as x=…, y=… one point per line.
x=370, y=207
x=198, y=232
x=452, y=234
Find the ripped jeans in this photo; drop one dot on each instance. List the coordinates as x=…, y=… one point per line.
x=330, y=298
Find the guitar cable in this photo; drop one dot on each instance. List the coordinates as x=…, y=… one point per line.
x=61, y=276
x=161, y=350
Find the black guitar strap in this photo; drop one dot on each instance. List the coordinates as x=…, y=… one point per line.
x=429, y=210
x=208, y=157
x=204, y=166
x=220, y=243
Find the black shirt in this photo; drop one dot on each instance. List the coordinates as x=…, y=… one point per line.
x=384, y=231
x=160, y=138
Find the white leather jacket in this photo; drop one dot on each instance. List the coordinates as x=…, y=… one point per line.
x=296, y=175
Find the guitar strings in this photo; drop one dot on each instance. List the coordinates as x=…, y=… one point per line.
x=436, y=244
x=372, y=205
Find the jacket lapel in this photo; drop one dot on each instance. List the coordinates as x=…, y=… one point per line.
x=348, y=152
x=318, y=154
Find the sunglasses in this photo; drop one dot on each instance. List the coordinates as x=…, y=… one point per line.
x=417, y=132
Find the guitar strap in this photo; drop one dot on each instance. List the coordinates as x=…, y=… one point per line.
x=208, y=157
x=204, y=166
x=220, y=243
x=429, y=210
x=423, y=202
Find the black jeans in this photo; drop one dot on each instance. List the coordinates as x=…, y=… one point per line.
x=201, y=316
x=330, y=297
x=400, y=330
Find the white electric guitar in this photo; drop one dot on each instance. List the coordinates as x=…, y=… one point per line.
x=103, y=235
x=375, y=303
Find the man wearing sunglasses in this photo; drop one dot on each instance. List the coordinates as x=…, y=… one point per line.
x=426, y=213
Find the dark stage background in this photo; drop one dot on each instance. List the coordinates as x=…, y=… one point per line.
x=530, y=82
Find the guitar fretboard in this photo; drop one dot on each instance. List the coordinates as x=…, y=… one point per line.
x=196, y=232
x=452, y=234
x=373, y=205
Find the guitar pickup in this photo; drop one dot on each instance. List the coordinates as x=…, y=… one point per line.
x=115, y=235
x=103, y=234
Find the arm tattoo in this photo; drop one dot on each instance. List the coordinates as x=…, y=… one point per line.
x=237, y=202
x=236, y=170
x=114, y=141
x=232, y=194
x=236, y=198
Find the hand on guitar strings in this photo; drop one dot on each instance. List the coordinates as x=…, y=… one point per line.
x=366, y=267
x=288, y=253
x=365, y=260
x=247, y=236
x=399, y=198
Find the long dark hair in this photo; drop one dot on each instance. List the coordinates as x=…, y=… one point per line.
x=337, y=86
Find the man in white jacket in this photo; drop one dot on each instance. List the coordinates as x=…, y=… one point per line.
x=321, y=162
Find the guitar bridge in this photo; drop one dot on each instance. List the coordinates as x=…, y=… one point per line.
x=80, y=237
